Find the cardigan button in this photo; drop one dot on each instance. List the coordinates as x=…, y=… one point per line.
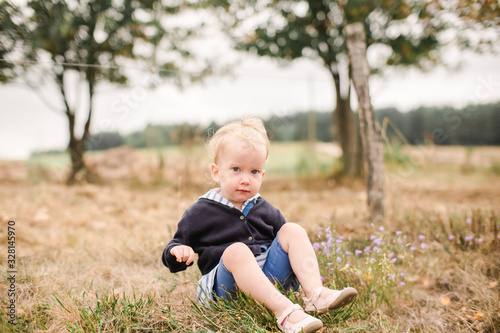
x=250, y=238
x=242, y=217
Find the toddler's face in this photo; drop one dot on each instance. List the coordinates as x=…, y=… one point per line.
x=239, y=170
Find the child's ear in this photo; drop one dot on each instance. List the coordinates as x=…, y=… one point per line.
x=214, y=171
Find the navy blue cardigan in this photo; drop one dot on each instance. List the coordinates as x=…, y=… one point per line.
x=210, y=227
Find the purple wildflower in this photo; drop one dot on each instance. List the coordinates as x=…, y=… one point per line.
x=358, y=252
x=480, y=240
x=372, y=237
x=451, y=237
x=469, y=238
x=367, y=250
x=315, y=246
x=339, y=260
x=319, y=228
x=413, y=248
x=398, y=233
x=347, y=253
x=375, y=248
x=381, y=228
x=423, y=245
x=329, y=243
x=391, y=255
x=393, y=260
x=469, y=220
x=421, y=237
x=372, y=261
x=402, y=283
x=329, y=264
x=338, y=250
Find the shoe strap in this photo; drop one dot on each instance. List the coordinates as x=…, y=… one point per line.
x=315, y=296
x=288, y=311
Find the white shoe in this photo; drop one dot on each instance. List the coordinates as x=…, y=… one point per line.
x=306, y=325
x=335, y=300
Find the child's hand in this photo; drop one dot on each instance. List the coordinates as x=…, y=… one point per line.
x=183, y=253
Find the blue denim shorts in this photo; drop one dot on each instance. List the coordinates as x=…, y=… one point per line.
x=276, y=267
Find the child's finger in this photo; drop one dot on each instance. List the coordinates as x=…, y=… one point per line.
x=177, y=252
x=190, y=258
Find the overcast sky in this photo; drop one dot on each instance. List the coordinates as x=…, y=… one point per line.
x=258, y=87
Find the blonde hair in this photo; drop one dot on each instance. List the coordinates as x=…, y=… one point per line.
x=250, y=130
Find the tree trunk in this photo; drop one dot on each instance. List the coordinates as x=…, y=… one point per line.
x=370, y=130
x=76, y=151
x=77, y=147
x=347, y=132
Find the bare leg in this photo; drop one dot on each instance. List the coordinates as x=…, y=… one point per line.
x=294, y=241
x=240, y=261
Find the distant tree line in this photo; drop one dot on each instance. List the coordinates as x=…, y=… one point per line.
x=472, y=125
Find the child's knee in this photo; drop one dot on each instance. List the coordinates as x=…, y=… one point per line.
x=236, y=253
x=292, y=230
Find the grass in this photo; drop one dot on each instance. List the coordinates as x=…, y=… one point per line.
x=88, y=256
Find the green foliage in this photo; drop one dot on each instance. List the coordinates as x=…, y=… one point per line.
x=478, y=125
x=470, y=125
x=396, y=155
x=55, y=40
x=111, y=312
x=104, y=140
x=369, y=265
x=289, y=30
x=243, y=314
x=91, y=37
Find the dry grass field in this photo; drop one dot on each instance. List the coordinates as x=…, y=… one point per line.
x=87, y=257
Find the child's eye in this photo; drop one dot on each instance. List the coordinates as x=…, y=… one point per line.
x=236, y=169
x=255, y=172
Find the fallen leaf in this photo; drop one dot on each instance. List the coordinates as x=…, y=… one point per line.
x=445, y=300
x=493, y=284
x=478, y=315
x=424, y=282
x=463, y=309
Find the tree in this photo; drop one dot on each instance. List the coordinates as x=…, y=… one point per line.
x=372, y=144
x=91, y=41
x=409, y=32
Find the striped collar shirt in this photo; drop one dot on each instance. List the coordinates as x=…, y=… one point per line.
x=214, y=195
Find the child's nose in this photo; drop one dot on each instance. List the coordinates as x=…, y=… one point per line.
x=245, y=180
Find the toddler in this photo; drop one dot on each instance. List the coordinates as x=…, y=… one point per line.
x=243, y=241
